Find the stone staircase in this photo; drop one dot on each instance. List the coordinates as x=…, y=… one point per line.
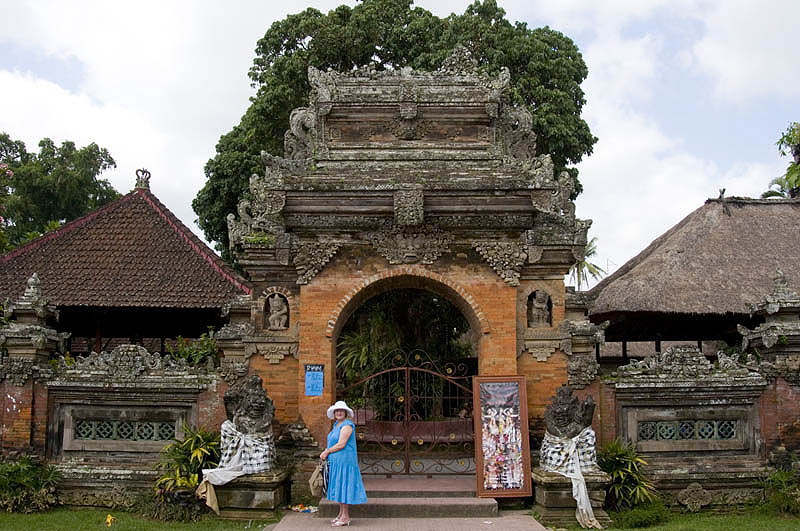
x=417, y=497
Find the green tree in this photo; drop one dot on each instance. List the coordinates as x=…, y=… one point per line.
x=57, y=185
x=546, y=72
x=580, y=270
x=788, y=184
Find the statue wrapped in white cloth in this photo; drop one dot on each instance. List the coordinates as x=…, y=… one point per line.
x=247, y=443
x=568, y=447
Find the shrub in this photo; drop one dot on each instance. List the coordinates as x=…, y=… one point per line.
x=644, y=515
x=782, y=491
x=27, y=486
x=629, y=485
x=196, y=352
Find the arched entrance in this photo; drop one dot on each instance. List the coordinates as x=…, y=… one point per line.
x=405, y=360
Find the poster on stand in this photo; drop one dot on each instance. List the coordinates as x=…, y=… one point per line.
x=502, y=449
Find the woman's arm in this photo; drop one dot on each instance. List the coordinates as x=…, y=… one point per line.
x=344, y=434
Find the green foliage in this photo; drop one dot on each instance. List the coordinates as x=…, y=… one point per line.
x=782, y=492
x=27, y=486
x=580, y=270
x=196, y=352
x=629, y=484
x=788, y=184
x=183, y=460
x=260, y=238
x=645, y=515
x=171, y=506
x=546, y=72
x=52, y=187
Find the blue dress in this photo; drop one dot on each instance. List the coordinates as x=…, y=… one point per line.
x=344, y=477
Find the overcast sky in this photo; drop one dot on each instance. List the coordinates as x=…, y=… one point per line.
x=686, y=97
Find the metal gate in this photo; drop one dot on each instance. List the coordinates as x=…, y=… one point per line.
x=414, y=417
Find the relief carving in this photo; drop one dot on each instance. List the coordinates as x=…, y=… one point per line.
x=399, y=246
x=540, y=309
x=298, y=141
x=278, y=309
x=310, y=256
x=506, y=258
x=272, y=352
x=409, y=206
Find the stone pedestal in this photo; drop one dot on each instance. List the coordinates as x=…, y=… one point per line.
x=253, y=496
x=554, y=503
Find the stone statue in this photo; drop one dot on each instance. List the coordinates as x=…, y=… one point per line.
x=539, y=310
x=278, y=312
x=247, y=443
x=569, y=449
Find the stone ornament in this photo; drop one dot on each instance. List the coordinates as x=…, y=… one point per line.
x=298, y=141
x=566, y=416
x=694, y=497
x=410, y=246
x=19, y=370
x=506, y=258
x=518, y=139
x=278, y=316
x=125, y=362
x=540, y=309
x=272, y=352
x=780, y=310
x=232, y=370
x=409, y=206
x=310, y=256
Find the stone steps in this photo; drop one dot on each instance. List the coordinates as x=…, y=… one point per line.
x=418, y=497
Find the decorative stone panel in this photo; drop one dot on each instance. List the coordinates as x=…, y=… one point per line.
x=409, y=206
x=505, y=257
x=310, y=256
x=410, y=246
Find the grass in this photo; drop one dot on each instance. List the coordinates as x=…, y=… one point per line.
x=747, y=520
x=95, y=519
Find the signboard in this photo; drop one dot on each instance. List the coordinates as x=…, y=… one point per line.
x=502, y=452
x=314, y=379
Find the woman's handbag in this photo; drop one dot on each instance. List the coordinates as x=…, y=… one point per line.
x=318, y=480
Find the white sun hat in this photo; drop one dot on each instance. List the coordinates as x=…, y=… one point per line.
x=339, y=405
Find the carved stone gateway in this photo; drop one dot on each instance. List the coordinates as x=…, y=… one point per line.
x=401, y=179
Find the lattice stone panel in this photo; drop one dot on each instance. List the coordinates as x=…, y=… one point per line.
x=121, y=430
x=686, y=430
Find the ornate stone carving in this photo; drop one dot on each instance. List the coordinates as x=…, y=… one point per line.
x=272, y=352
x=310, y=256
x=410, y=246
x=278, y=312
x=686, y=362
x=540, y=310
x=249, y=408
x=143, y=179
x=505, y=257
x=518, y=139
x=501, y=220
x=562, y=198
x=19, y=370
x=298, y=141
x=541, y=353
x=125, y=362
x=235, y=331
x=323, y=85
x=231, y=370
x=780, y=311
x=459, y=63
x=694, y=497
x=115, y=497
x=566, y=416
x=409, y=206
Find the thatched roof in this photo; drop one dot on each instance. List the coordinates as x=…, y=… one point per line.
x=132, y=252
x=719, y=259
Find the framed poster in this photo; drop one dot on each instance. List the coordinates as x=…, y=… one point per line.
x=502, y=452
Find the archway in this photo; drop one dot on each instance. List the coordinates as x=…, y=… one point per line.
x=405, y=360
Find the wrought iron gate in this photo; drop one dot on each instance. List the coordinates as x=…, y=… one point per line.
x=414, y=417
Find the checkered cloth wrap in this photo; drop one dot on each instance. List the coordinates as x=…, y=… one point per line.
x=570, y=458
x=556, y=452
x=255, y=454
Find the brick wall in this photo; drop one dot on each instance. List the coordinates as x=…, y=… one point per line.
x=17, y=415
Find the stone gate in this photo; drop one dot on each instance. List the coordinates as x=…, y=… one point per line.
x=404, y=179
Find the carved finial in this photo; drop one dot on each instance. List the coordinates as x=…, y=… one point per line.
x=721, y=193
x=34, y=288
x=459, y=63
x=143, y=179
x=780, y=288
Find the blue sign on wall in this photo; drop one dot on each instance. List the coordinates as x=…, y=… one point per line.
x=314, y=379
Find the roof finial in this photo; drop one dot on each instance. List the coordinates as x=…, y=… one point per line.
x=143, y=179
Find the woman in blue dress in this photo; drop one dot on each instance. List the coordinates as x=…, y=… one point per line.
x=344, y=478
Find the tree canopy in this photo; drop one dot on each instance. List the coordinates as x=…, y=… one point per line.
x=546, y=72
x=40, y=191
x=788, y=184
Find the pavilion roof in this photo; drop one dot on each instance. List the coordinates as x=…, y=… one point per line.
x=132, y=252
x=719, y=259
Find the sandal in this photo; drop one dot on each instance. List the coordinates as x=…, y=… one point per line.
x=341, y=523
x=335, y=520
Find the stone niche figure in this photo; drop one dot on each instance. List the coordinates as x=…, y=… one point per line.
x=278, y=316
x=247, y=443
x=569, y=448
x=540, y=310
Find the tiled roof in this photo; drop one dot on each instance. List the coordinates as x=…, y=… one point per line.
x=132, y=252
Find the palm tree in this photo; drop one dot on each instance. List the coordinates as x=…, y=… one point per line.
x=580, y=271
x=788, y=184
